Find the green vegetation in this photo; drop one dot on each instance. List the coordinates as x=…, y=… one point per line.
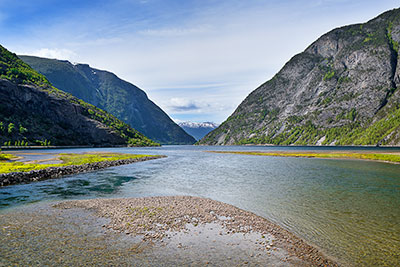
x=351, y=133
x=120, y=98
x=329, y=75
x=67, y=160
x=10, y=128
x=17, y=71
x=351, y=115
x=387, y=157
x=300, y=131
x=4, y=156
x=334, y=97
x=16, y=128
x=22, y=129
x=133, y=137
x=343, y=79
x=393, y=43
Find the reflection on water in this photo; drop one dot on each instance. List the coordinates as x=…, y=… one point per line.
x=350, y=208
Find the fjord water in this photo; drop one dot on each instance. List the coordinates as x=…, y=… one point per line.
x=348, y=208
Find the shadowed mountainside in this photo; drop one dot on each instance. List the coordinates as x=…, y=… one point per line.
x=33, y=112
x=118, y=97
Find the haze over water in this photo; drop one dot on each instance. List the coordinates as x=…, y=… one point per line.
x=349, y=208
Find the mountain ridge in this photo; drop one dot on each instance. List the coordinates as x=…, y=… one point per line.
x=198, y=129
x=33, y=112
x=341, y=90
x=105, y=90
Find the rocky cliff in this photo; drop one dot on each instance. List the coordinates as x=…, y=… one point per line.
x=33, y=112
x=106, y=91
x=342, y=90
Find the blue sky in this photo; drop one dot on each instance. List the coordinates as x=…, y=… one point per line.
x=196, y=59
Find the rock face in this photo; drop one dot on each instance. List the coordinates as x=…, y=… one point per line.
x=198, y=129
x=342, y=90
x=32, y=111
x=106, y=91
x=62, y=119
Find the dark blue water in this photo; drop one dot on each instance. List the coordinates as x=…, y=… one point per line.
x=349, y=208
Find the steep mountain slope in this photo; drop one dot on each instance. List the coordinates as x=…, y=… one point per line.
x=198, y=130
x=342, y=90
x=33, y=112
x=106, y=91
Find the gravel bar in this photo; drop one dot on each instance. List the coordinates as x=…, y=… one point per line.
x=158, y=219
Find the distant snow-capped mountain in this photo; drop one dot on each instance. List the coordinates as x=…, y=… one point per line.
x=198, y=129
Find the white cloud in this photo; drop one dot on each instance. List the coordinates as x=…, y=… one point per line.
x=203, y=64
x=63, y=54
x=183, y=105
x=177, y=120
x=175, y=32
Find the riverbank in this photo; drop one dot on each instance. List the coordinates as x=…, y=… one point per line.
x=379, y=157
x=13, y=171
x=177, y=230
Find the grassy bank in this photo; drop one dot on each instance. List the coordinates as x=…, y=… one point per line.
x=386, y=157
x=65, y=160
x=4, y=156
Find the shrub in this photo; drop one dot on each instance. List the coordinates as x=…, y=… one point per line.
x=11, y=127
x=22, y=129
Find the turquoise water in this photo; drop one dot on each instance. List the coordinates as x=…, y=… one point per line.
x=348, y=208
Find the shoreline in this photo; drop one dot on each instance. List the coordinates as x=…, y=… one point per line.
x=172, y=230
x=13, y=178
x=338, y=155
x=312, y=146
x=155, y=218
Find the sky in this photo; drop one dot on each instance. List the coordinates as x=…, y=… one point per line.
x=196, y=59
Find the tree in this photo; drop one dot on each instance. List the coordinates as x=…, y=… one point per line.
x=11, y=127
x=22, y=129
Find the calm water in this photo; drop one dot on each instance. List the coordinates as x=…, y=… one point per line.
x=349, y=208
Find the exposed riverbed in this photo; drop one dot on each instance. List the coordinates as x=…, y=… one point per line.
x=160, y=231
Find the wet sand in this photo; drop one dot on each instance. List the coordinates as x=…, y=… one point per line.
x=179, y=230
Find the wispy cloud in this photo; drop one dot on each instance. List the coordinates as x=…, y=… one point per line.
x=54, y=53
x=196, y=59
x=183, y=105
x=3, y=16
x=176, y=32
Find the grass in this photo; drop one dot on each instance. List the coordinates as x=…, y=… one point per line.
x=387, y=157
x=6, y=156
x=67, y=160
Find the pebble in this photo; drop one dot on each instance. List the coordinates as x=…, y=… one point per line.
x=151, y=214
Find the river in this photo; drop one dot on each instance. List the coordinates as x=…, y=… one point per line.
x=350, y=209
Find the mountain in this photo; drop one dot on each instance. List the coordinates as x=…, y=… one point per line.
x=198, y=129
x=33, y=112
x=106, y=91
x=342, y=90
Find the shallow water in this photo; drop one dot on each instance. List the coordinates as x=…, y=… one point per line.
x=76, y=237
x=349, y=208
